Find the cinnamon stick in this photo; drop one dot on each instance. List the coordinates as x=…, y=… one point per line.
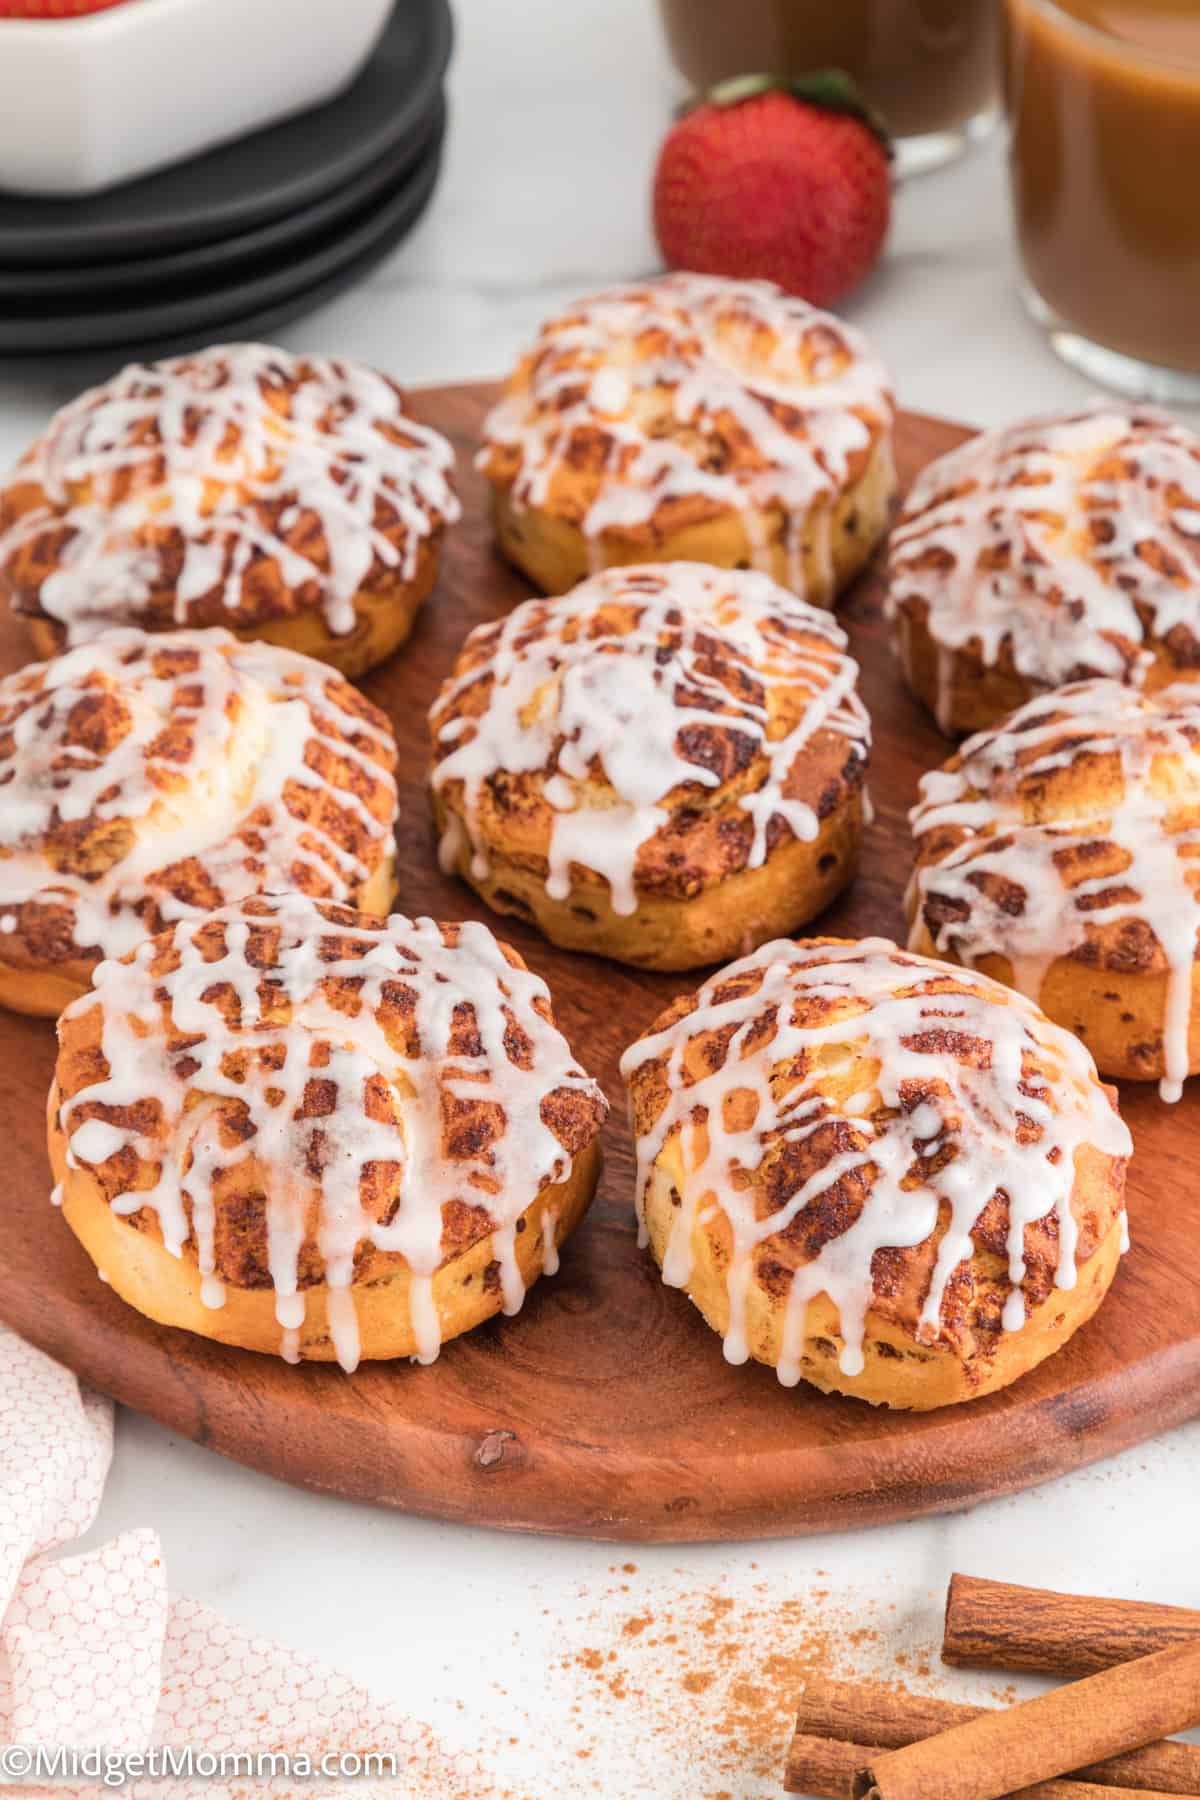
x=995, y=1625
x=854, y=1712
x=822, y=1766
x=826, y=1768
x=1072, y=1726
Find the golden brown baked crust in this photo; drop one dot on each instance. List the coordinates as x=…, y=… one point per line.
x=837, y=1143
x=1060, y=853
x=146, y=778
x=665, y=766
x=283, y=497
x=693, y=419
x=294, y=1127
x=1051, y=551
x=465, y=1290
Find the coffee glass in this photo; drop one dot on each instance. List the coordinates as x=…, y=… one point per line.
x=930, y=67
x=1103, y=101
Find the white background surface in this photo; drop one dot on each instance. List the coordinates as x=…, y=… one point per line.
x=556, y=112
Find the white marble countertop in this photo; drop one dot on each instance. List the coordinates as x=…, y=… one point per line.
x=503, y=1643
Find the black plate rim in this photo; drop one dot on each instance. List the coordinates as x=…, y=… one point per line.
x=104, y=281
x=51, y=233
x=132, y=326
x=245, y=327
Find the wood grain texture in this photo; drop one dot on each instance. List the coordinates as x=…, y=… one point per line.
x=605, y=1408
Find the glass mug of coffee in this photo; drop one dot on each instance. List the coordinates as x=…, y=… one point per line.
x=929, y=67
x=1103, y=99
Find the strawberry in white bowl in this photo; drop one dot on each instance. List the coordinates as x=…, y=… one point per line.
x=55, y=9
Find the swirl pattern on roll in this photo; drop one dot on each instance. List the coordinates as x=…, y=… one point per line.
x=645, y=713
x=288, y=1093
x=230, y=486
x=151, y=778
x=1072, y=831
x=1058, y=548
x=848, y=1118
x=670, y=402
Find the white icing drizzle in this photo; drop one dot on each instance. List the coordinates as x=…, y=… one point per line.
x=1016, y=873
x=1014, y=1122
x=212, y=1027
x=1070, y=540
x=549, y=1240
x=796, y=385
x=227, y=454
x=608, y=678
x=223, y=742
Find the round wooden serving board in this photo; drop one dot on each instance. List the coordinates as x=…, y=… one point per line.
x=605, y=1408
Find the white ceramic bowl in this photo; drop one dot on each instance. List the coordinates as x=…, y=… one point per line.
x=86, y=103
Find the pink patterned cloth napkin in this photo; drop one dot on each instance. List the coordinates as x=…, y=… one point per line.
x=95, y=1655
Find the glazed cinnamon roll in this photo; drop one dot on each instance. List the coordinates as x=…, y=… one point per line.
x=1053, y=550
x=693, y=419
x=145, y=779
x=877, y=1173
x=287, y=498
x=1060, y=852
x=665, y=766
x=299, y=1129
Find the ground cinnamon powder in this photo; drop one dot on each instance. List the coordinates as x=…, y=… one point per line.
x=710, y=1677
x=703, y=1681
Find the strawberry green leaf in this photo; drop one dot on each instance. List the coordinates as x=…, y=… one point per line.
x=830, y=90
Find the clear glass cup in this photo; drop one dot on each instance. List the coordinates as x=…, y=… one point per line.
x=1103, y=102
x=930, y=67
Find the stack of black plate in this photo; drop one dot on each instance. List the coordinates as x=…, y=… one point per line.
x=235, y=242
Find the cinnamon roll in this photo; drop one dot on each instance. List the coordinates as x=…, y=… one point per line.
x=288, y=498
x=1051, y=551
x=665, y=766
x=296, y=1128
x=877, y=1173
x=693, y=419
x=1060, y=852
x=145, y=779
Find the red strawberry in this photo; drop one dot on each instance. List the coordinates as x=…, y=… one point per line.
x=53, y=9
x=759, y=181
